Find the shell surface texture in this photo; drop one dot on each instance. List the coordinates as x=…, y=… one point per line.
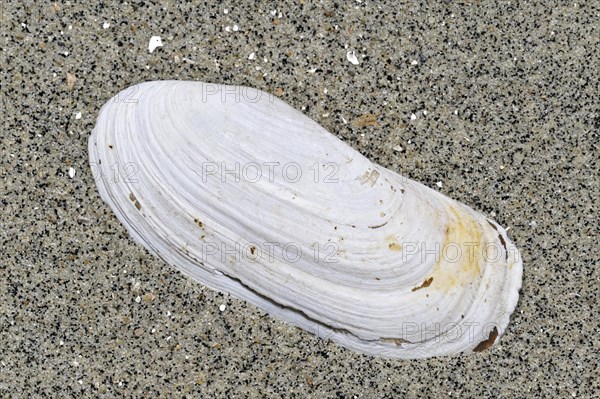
x=247, y=195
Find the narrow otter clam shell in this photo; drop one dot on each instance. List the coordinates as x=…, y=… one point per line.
x=247, y=195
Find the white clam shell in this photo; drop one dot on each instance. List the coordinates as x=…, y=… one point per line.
x=247, y=195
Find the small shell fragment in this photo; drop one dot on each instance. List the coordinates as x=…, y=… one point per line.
x=71, y=79
x=247, y=195
x=83, y=220
x=351, y=56
x=155, y=41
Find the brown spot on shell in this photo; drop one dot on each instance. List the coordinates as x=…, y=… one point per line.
x=483, y=345
x=135, y=201
x=425, y=284
x=394, y=246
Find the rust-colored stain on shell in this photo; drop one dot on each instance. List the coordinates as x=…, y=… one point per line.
x=483, y=345
x=394, y=246
x=425, y=284
x=392, y=243
x=462, y=236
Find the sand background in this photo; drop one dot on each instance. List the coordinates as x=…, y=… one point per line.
x=511, y=95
